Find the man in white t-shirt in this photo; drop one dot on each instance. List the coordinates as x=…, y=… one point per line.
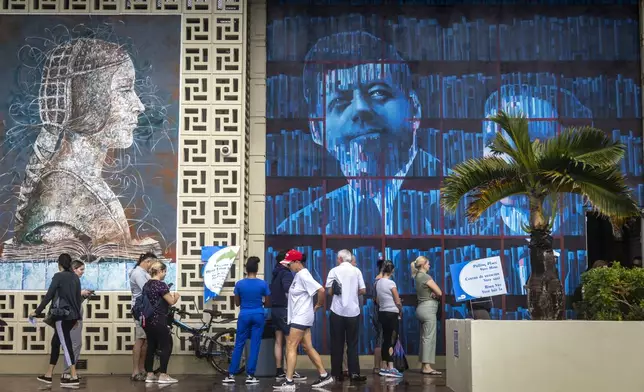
x=345, y=284
x=301, y=316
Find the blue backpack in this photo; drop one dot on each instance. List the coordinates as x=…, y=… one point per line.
x=143, y=308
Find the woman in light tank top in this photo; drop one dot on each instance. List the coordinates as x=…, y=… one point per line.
x=429, y=295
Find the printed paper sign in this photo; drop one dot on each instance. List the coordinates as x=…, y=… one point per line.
x=478, y=278
x=217, y=268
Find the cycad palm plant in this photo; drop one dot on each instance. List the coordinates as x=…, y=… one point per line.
x=583, y=161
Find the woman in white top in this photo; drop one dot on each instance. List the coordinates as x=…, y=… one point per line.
x=389, y=306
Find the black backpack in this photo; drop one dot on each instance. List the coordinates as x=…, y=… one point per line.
x=143, y=308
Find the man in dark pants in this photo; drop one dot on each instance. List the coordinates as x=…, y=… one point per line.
x=281, y=281
x=345, y=284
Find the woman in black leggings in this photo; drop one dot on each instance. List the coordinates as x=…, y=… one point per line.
x=389, y=306
x=65, y=291
x=156, y=327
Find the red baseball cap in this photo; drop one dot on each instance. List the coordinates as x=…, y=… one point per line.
x=291, y=255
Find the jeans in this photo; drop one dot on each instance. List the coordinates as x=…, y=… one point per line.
x=426, y=314
x=159, y=338
x=390, y=323
x=248, y=326
x=344, y=329
x=62, y=337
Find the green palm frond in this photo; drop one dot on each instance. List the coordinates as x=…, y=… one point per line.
x=582, y=161
x=586, y=145
x=494, y=192
x=604, y=188
x=470, y=175
x=517, y=129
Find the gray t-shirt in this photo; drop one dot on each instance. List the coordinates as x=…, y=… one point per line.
x=138, y=279
x=385, y=297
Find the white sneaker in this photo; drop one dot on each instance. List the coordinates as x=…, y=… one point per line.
x=229, y=379
x=251, y=380
x=151, y=379
x=167, y=380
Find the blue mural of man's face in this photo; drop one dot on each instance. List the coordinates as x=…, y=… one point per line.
x=370, y=121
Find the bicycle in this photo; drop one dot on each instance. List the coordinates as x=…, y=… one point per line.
x=217, y=349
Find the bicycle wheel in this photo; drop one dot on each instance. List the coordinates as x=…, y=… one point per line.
x=220, y=351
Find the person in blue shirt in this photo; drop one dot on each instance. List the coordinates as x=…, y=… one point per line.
x=251, y=295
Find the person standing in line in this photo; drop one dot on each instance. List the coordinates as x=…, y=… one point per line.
x=428, y=294
x=345, y=361
x=345, y=284
x=390, y=307
x=76, y=333
x=301, y=316
x=251, y=295
x=139, y=276
x=281, y=281
x=377, y=357
x=65, y=292
x=156, y=327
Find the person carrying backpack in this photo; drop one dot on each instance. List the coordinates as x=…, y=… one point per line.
x=152, y=310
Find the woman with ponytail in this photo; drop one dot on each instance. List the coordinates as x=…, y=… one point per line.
x=65, y=292
x=139, y=276
x=429, y=295
x=389, y=306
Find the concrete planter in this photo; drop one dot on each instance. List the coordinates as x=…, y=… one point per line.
x=544, y=356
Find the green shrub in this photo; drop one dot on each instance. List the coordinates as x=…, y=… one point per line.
x=613, y=293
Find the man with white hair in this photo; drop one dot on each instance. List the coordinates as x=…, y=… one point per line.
x=345, y=284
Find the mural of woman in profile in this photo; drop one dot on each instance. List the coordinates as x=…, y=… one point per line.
x=88, y=106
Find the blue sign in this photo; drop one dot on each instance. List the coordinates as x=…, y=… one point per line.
x=478, y=278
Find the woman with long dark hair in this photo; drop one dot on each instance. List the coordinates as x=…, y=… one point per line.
x=156, y=327
x=65, y=295
x=390, y=306
x=76, y=333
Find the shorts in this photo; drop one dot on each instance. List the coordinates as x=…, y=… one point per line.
x=300, y=327
x=139, y=333
x=279, y=318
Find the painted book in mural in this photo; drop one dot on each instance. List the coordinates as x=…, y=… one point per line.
x=78, y=249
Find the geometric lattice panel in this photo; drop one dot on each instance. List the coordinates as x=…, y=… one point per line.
x=34, y=339
x=122, y=339
x=121, y=305
x=9, y=308
x=96, y=337
x=8, y=339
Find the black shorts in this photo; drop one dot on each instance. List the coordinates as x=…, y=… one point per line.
x=300, y=327
x=279, y=318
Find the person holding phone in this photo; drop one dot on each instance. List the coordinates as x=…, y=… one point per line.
x=156, y=327
x=76, y=333
x=65, y=294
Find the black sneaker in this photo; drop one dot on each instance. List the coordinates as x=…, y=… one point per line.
x=285, y=386
x=69, y=382
x=45, y=379
x=280, y=377
x=251, y=380
x=322, y=381
x=358, y=378
x=297, y=377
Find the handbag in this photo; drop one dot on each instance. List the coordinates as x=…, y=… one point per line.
x=399, y=358
x=58, y=310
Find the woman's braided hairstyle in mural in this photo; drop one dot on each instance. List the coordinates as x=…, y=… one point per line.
x=68, y=68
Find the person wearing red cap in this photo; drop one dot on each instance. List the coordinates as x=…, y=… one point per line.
x=301, y=315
